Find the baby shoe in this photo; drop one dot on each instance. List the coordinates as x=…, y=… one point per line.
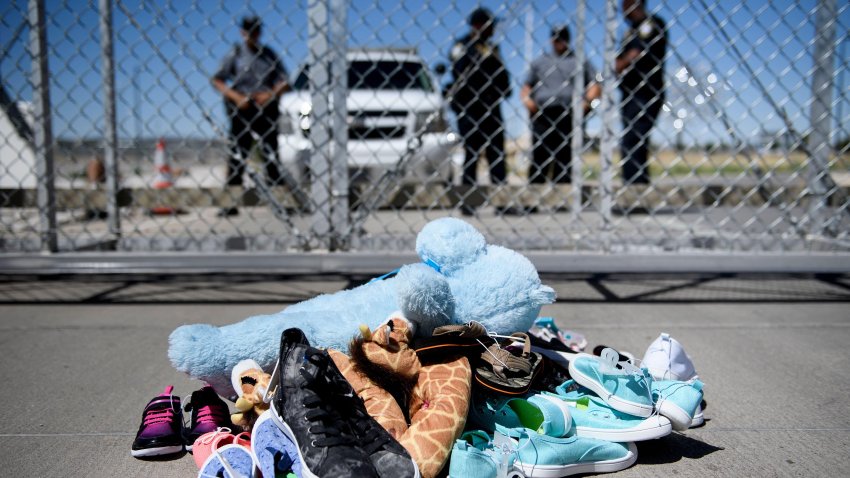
x=229, y=461
x=547, y=417
x=621, y=385
x=274, y=451
x=161, y=430
x=544, y=456
x=593, y=418
x=677, y=401
x=203, y=447
x=474, y=455
x=209, y=413
x=666, y=359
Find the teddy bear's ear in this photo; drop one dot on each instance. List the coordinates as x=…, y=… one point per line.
x=542, y=295
x=425, y=298
x=238, y=370
x=446, y=244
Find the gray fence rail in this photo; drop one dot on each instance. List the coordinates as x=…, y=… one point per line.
x=694, y=135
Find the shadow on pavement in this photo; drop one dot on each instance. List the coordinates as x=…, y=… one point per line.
x=673, y=448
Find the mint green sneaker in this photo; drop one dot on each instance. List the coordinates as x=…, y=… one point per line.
x=474, y=455
x=621, y=385
x=547, y=417
x=541, y=456
x=593, y=418
x=677, y=401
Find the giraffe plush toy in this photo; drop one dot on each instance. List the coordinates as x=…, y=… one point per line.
x=460, y=278
x=424, y=406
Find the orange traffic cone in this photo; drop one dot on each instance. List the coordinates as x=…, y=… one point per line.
x=164, y=178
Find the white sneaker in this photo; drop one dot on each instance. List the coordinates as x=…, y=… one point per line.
x=666, y=359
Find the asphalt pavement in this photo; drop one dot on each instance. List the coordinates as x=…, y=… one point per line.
x=82, y=356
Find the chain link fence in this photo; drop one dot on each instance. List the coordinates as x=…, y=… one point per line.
x=609, y=127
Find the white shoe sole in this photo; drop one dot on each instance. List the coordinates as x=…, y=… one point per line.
x=617, y=403
x=163, y=450
x=650, y=429
x=556, y=471
x=699, y=418
x=678, y=417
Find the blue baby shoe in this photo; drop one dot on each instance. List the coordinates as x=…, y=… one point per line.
x=274, y=451
x=536, y=413
x=621, y=385
x=677, y=401
x=593, y=418
x=229, y=461
x=473, y=455
x=544, y=456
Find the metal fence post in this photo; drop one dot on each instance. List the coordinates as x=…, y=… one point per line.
x=43, y=132
x=820, y=116
x=110, y=137
x=579, y=87
x=320, y=137
x=339, y=124
x=608, y=140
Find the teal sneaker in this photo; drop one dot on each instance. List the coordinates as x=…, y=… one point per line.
x=593, y=418
x=547, y=417
x=473, y=455
x=541, y=456
x=677, y=401
x=623, y=386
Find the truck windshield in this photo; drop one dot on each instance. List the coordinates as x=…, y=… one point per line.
x=379, y=75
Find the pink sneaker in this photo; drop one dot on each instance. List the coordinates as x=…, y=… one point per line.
x=209, y=413
x=161, y=431
x=206, y=443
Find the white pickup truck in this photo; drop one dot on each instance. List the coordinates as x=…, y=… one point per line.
x=392, y=96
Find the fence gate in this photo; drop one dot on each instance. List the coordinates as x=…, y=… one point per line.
x=696, y=129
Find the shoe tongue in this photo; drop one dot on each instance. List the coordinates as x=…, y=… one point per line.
x=167, y=391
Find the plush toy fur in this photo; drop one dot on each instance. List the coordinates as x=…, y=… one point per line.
x=461, y=279
x=423, y=406
x=250, y=384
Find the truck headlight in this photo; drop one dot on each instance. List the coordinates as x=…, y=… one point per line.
x=430, y=122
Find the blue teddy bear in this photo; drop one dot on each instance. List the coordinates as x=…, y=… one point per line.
x=461, y=278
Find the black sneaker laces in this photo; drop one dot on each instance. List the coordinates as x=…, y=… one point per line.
x=322, y=415
x=372, y=438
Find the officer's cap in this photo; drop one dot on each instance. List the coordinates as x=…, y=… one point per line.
x=251, y=24
x=561, y=32
x=481, y=16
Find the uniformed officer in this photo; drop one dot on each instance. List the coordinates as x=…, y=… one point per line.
x=641, y=68
x=480, y=83
x=547, y=94
x=258, y=79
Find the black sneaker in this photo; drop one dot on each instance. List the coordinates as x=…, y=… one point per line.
x=388, y=456
x=307, y=410
x=161, y=430
x=209, y=413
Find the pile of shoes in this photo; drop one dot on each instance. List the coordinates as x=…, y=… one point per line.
x=588, y=423
x=531, y=404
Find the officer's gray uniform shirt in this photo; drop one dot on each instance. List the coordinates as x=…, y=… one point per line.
x=251, y=71
x=551, y=79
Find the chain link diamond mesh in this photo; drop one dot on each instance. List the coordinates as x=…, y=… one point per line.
x=529, y=119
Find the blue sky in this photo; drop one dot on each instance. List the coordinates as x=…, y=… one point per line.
x=167, y=49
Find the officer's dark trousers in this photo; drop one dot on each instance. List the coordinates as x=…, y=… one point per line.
x=262, y=122
x=552, y=151
x=638, y=116
x=482, y=129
